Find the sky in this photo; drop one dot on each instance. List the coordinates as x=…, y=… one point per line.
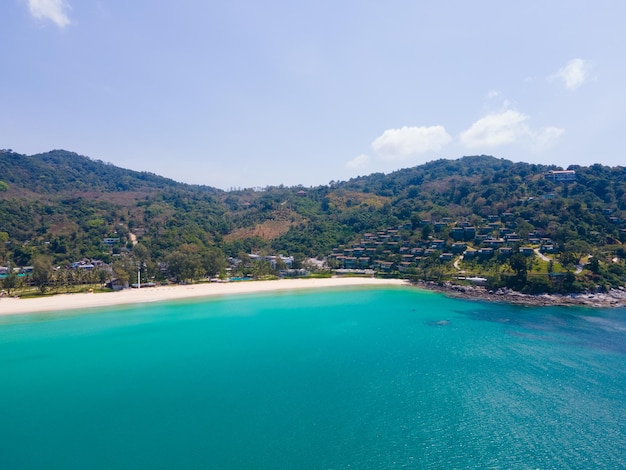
x=241, y=93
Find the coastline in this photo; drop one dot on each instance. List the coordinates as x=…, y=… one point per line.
x=615, y=298
x=63, y=302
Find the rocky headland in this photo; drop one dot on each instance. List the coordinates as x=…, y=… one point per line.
x=613, y=298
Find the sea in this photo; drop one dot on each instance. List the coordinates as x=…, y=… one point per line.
x=342, y=378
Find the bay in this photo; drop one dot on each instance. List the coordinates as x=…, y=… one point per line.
x=330, y=379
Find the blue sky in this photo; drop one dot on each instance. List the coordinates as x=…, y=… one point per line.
x=242, y=93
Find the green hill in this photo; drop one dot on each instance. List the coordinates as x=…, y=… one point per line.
x=66, y=207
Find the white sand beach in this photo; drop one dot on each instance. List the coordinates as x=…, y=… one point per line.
x=61, y=302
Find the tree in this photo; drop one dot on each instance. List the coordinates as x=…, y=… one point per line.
x=578, y=249
x=174, y=262
x=594, y=265
x=568, y=259
x=279, y=265
x=518, y=263
x=4, y=238
x=121, y=271
x=103, y=275
x=141, y=252
x=190, y=262
x=568, y=281
x=10, y=282
x=213, y=261
x=261, y=268
x=42, y=269
x=299, y=260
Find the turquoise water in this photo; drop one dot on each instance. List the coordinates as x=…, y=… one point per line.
x=336, y=379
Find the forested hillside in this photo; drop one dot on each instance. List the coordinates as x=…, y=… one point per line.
x=66, y=207
x=63, y=205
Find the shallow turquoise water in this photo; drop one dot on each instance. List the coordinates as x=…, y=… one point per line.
x=336, y=379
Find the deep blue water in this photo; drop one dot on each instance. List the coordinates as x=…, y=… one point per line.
x=336, y=379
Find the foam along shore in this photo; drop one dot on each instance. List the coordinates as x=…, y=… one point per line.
x=62, y=302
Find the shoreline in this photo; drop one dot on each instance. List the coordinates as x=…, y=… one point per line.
x=64, y=302
x=615, y=298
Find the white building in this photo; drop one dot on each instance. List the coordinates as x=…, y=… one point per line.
x=561, y=175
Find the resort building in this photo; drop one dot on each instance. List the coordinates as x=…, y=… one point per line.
x=561, y=175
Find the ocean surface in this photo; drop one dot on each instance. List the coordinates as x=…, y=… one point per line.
x=355, y=378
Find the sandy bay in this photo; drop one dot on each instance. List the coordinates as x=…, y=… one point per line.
x=61, y=302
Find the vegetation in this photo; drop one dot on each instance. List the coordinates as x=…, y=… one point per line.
x=59, y=208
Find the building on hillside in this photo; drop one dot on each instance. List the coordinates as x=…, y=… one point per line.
x=437, y=244
x=513, y=238
x=110, y=241
x=457, y=233
x=526, y=250
x=385, y=266
x=493, y=242
x=561, y=175
x=469, y=254
x=548, y=249
x=459, y=247
x=408, y=257
x=404, y=266
x=469, y=233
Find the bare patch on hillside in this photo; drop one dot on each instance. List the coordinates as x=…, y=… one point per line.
x=343, y=199
x=122, y=198
x=267, y=230
x=64, y=228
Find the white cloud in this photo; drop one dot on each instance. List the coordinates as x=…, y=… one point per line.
x=495, y=129
x=509, y=127
x=546, y=137
x=53, y=10
x=491, y=94
x=358, y=161
x=396, y=144
x=574, y=73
